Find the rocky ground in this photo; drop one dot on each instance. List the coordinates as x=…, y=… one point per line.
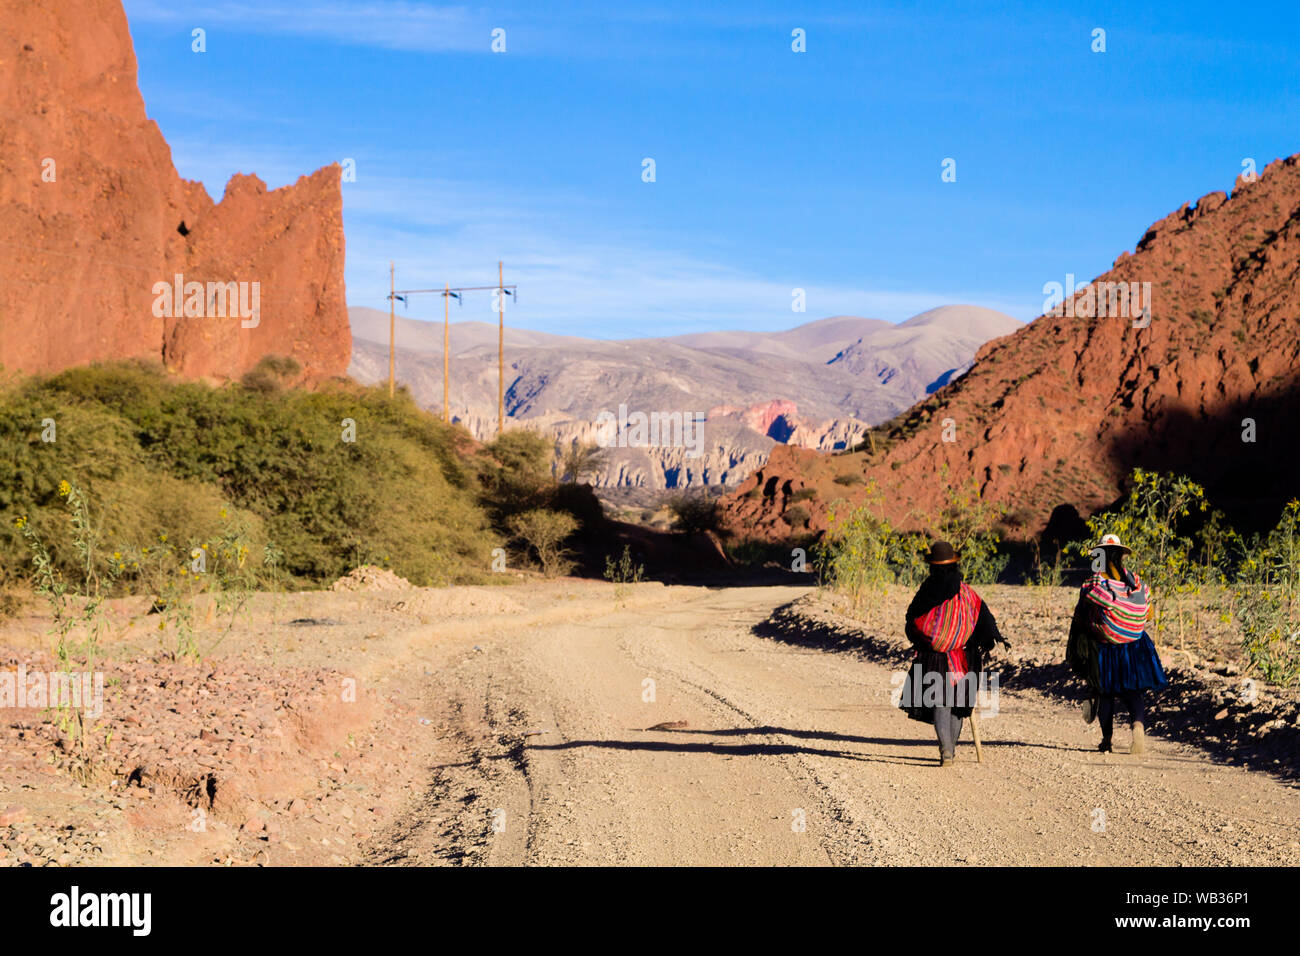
x=570, y=722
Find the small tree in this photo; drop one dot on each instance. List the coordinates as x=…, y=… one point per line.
x=853, y=557
x=966, y=521
x=545, y=532
x=516, y=473
x=694, y=513
x=581, y=459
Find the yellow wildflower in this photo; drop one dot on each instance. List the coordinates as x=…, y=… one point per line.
x=64, y=489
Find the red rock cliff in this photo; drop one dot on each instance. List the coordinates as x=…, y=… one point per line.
x=94, y=220
x=1058, y=413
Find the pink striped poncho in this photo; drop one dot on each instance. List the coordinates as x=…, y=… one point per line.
x=1123, y=608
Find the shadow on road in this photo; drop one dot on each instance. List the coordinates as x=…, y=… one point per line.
x=1186, y=711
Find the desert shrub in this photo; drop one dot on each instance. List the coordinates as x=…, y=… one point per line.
x=1151, y=520
x=906, y=557
x=163, y=457
x=694, y=513
x=75, y=600
x=759, y=551
x=545, y=532
x=515, y=474
x=271, y=373
x=804, y=494
x=850, y=479
x=853, y=557
x=966, y=520
x=1046, y=573
x=623, y=573
x=861, y=552
x=579, y=460
x=581, y=502
x=796, y=516
x=1268, y=600
x=1157, y=519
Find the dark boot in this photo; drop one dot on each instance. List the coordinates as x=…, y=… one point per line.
x=1104, y=746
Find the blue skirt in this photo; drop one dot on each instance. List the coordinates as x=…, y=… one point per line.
x=1132, y=666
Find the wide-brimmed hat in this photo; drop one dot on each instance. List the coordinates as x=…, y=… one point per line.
x=1112, y=541
x=941, y=552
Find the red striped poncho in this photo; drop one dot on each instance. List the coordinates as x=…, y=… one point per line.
x=1123, y=607
x=949, y=625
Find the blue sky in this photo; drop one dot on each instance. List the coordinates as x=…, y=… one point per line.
x=775, y=170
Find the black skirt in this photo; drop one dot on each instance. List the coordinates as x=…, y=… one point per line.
x=929, y=684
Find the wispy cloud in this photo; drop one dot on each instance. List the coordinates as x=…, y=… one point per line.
x=387, y=24
x=590, y=29
x=576, y=274
x=579, y=272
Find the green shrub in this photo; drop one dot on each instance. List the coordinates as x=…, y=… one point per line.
x=545, y=533
x=796, y=516
x=1268, y=600
x=271, y=373
x=853, y=557
x=161, y=457
x=623, y=573
x=966, y=521
x=694, y=513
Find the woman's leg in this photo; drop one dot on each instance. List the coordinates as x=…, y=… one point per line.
x=943, y=729
x=1106, y=717
x=1137, y=708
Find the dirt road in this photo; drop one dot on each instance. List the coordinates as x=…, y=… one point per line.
x=788, y=755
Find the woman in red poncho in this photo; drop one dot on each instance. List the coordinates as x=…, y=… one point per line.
x=952, y=630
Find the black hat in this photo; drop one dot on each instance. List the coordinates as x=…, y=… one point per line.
x=941, y=552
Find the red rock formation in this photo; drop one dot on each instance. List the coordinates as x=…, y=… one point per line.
x=762, y=416
x=93, y=217
x=1061, y=411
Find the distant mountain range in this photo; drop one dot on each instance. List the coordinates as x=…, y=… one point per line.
x=1202, y=378
x=819, y=385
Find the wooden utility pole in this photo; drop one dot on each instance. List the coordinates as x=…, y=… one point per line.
x=392, y=326
x=447, y=292
x=501, y=349
x=446, y=352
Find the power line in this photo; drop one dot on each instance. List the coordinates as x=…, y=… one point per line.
x=448, y=293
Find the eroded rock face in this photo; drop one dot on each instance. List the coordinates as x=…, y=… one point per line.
x=1061, y=411
x=95, y=220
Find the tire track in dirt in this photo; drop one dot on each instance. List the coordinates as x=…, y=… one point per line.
x=773, y=728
